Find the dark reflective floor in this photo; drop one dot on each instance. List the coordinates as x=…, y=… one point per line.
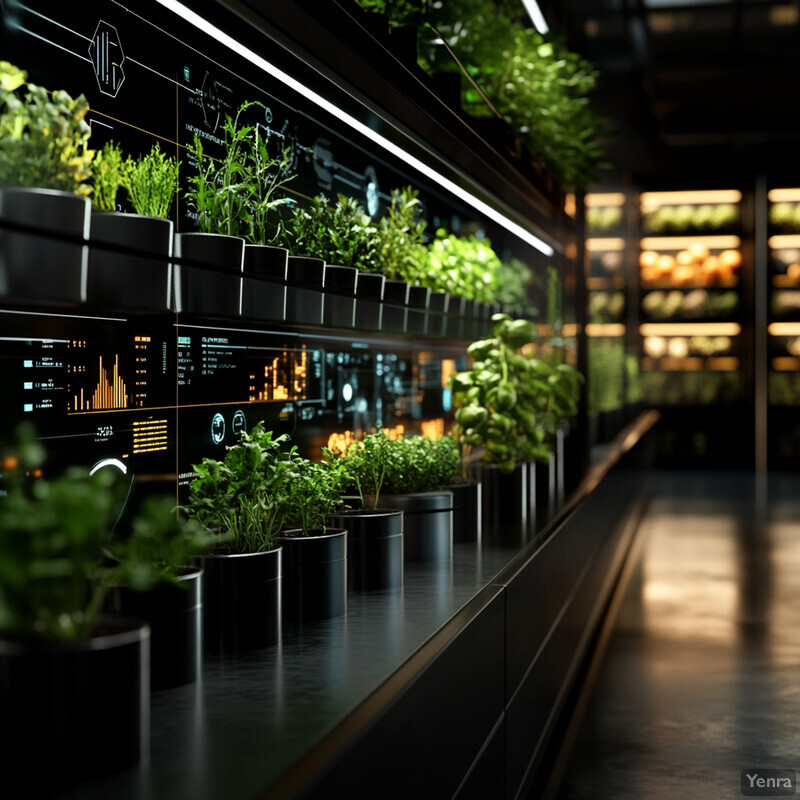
x=701, y=678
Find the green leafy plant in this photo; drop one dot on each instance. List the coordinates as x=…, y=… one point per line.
x=151, y=182
x=465, y=266
x=342, y=233
x=59, y=560
x=399, y=12
x=313, y=492
x=44, y=138
x=509, y=404
x=402, y=252
x=404, y=465
x=238, y=194
x=107, y=172
x=606, y=375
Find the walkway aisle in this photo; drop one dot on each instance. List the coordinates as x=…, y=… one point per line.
x=701, y=678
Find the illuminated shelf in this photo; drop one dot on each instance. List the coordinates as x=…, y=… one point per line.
x=691, y=364
x=786, y=364
x=604, y=199
x=784, y=196
x=608, y=329
x=784, y=329
x=690, y=329
x=705, y=197
x=602, y=284
x=784, y=282
x=719, y=283
x=784, y=241
x=684, y=242
x=604, y=244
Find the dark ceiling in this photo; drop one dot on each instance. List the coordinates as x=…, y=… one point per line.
x=700, y=92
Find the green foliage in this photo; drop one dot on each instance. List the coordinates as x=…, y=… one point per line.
x=465, y=266
x=312, y=493
x=151, y=182
x=399, y=12
x=402, y=254
x=405, y=465
x=107, y=171
x=538, y=86
x=44, y=138
x=342, y=234
x=236, y=195
x=58, y=558
x=510, y=403
x=606, y=375
x=513, y=277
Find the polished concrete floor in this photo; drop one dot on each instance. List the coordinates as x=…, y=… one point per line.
x=701, y=677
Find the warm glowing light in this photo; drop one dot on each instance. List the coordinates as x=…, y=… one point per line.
x=783, y=240
x=784, y=196
x=684, y=242
x=603, y=245
x=616, y=282
x=784, y=329
x=690, y=329
x=608, y=329
x=570, y=209
x=432, y=428
x=785, y=364
x=605, y=199
x=448, y=370
x=186, y=14
x=655, y=199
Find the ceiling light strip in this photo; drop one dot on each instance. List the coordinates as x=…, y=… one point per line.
x=420, y=166
x=537, y=18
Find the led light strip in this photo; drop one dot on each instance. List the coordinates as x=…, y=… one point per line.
x=535, y=13
x=237, y=47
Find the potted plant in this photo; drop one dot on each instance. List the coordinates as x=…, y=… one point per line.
x=73, y=683
x=130, y=260
x=45, y=162
x=407, y=473
x=241, y=498
x=315, y=556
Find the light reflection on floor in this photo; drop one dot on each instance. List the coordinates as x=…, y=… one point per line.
x=701, y=676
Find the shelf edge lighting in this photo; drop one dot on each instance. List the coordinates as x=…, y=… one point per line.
x=683, y=242
x=784, y=329
x=537, y=18
x=604, y=199
x=784, y=196
x=690, y=329
x=599, y=245
x=781, y=240
x=690, y=198
x=607, y=329
x=420, y=166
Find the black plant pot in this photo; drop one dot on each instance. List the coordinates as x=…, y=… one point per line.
x=369, y=301
x=241, y=600
x=304, y=291
x=39, y=266
x=314, y=574
x=543, y=486
x=427, y=524
x=506, y=504
x=141, y=279
x=214, y=287
x=470, y=329
x=438, y=309
x=71, y=711
x=418, y=299
x=467, y=522
x=374, y=547
x=175, y=615
x=395, y=306
x=264, y=282
x=340, y=296
x=454, y=321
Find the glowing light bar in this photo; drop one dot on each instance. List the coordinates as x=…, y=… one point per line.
x=390, y=147
x=109, y=462
x=682, y=242
x=784, y=240
x=604, y=199
x=535, y=13
x=690, y=329
x=690, y=198
x=604, y=245
x=606, y=329
x=784, y=329
x=784, y=196
x=785, y=364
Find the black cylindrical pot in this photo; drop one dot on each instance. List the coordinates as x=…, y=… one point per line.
x=304, y=291
x=340, y=296
x=140, y=279
x=470, y=329
x=214, y=287
x=264, y=282
x=395, y=306
x=543, y=484
x=175, y=615
x=77, y=710
x=454, y=320
x=467, y=522
x=438, y=307
x=42, y=268
x=314, y=574
x=418, y=299
x=369, y=305
x=241, y=600
x=374, y=547
x=427, y=524
x=505, y=503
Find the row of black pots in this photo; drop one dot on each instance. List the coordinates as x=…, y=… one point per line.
x=137, y=263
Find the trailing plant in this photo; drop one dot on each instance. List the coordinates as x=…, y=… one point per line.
x=342, y=233
x=59, y=560
x=236, y=194
x=107, y=172
x=44, y=138
x=151, y=182
x=404, y=465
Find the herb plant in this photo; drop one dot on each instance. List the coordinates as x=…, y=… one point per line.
x=313, y=492
x=44, y=138
x=107, y=171
x=402, y=253
x=237, y=194
x=151, y=182
x=465, y=266
x=59, y=560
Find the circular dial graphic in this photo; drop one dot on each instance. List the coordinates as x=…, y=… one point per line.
x=218, y=429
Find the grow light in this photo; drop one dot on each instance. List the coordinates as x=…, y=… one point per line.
x=420, y=166
x=783, y=241
x=784, y=329
x=598, y=245
x=683, y=242
x=595, y=329
x=604, y=199
x=535, y=13
x=784, y=196
x=690, y=198
x=690, y=329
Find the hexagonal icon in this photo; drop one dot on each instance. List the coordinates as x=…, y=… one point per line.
x=107, y=57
